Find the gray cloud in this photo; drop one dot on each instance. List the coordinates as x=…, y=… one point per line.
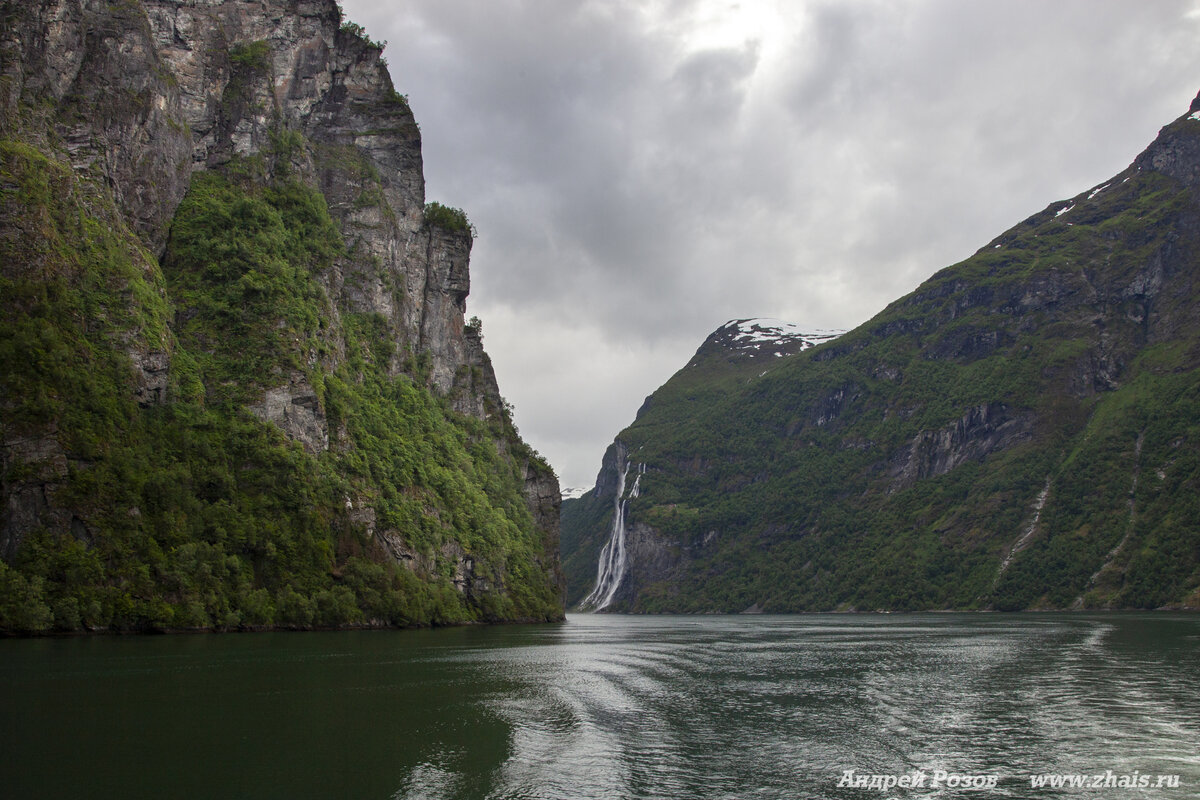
x=641, y=172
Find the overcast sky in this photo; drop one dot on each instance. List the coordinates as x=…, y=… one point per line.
x=641, y=172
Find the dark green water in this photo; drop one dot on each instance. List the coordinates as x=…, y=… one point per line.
x=609, y=707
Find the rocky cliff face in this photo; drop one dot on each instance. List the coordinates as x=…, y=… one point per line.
x=145, y=94
x=290, y=108
x=1019, y=432
x=544, y=499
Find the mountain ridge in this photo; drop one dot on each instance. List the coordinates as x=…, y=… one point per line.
x=934, y=456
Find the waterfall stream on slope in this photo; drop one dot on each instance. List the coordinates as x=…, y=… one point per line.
x=613, y=558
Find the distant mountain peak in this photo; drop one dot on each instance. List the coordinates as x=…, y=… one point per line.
x=763, y=336
x=751, y=333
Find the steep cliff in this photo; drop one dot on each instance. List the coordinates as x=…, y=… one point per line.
x=1022, y=431
x=238, y=387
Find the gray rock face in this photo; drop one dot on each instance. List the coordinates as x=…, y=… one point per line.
x=93, y=68
x=475, y=390
x=1175, y=152
x=150, y=373
x=146, y=93
x=609, y=475
x=544, y=498
x=982, y=430
x=297, y=410
x=652, y=559
x=436, y=284
x=247, y=72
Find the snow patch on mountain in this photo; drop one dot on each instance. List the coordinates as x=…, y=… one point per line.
x=773, y=335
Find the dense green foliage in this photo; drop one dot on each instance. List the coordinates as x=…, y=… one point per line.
x=251, y=56
x=452, y=219
x=242, y=267
x=899, y=466
x=196, y=513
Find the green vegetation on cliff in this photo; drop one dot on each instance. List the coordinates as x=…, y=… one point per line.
x=452, y=219
x=195, y=513
x=215, y=411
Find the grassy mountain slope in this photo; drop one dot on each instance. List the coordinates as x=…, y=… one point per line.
x=1022, y=431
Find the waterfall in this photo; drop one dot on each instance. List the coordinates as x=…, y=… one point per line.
x=613, y=558
x=1030, y=530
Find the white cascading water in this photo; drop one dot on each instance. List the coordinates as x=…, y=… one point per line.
x=613, y=558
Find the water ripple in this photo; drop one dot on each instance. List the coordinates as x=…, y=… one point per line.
x=778, y=707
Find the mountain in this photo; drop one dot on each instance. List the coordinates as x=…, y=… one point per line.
x=736, y=354
x=1020, y=432
x=236, y=382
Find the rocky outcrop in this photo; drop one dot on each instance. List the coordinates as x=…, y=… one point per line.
x=653, y=559
x=104, y=92
x=832, y=405
x=1176, y=151
x=150, y=376
x=609, y=475
x=475, y=389
x=544, y=498
x=296, y=409
x=981, y=431
x=437, y=283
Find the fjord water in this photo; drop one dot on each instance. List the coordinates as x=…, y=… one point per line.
x=609, y=707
